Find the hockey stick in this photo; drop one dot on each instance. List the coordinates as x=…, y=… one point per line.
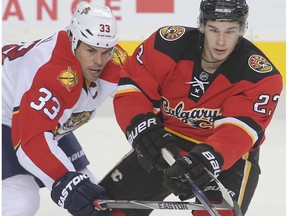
x=195, y=189
x=227, y=200
x=226, y=204
x=160, y=205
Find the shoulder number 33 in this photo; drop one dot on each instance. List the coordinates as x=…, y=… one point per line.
x=42, y=102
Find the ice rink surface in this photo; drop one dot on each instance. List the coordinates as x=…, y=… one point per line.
x=105, y=144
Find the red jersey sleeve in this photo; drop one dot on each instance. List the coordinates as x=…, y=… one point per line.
x=140, y=84
x=245, y=116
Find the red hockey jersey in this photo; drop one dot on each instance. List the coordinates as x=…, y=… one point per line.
x=228, y=110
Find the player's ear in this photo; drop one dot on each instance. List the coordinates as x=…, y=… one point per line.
x=201, y=28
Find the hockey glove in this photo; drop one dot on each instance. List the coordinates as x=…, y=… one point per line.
x=193, y=164
x=147, y=136
x=76, y=193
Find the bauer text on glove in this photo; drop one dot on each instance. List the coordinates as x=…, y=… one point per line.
x=200, y=157
x=147, y=136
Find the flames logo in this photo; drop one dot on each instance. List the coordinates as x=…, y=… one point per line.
x=259, y=64
x=171, y=33
x=119, y=57
x=68, y=78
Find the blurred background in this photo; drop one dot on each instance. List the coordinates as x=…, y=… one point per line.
x=24, y=20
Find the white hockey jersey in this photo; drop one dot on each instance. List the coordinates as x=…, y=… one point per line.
x=45, y=96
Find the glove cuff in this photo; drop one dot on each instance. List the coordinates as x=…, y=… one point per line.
x=213, y=160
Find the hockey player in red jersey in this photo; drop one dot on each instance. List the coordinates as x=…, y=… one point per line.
x=51, y=87
x=206, y=93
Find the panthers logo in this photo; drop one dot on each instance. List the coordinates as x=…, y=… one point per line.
x=68, y=78
x=171, y=33
x=259, y=64
x=119, y=57
x=85, y=10
x=74, y=122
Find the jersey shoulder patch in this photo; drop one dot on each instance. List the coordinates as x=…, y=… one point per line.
x=120, y=56
x=171, y=33
x=177, y=41
x=68, y=78
x=113, y=68
x=259, y=63
x=249, y=63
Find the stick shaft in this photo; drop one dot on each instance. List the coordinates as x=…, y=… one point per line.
x=195, y=189
x=160, y=205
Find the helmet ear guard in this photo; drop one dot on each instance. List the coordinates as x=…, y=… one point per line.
x=93, y=25
x=225, y=11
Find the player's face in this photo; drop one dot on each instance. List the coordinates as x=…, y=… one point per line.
x=220, y=39
x=92, y=59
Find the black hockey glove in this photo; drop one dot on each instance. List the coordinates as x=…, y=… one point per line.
x=76, y=193
x=147, y=136
x=193, y=164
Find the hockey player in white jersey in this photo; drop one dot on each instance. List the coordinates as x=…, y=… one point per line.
x=51, y=87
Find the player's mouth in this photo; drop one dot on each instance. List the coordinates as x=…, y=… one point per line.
x=95, y=72
x=219, y=52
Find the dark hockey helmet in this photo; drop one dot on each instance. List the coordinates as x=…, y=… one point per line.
x=224, y=10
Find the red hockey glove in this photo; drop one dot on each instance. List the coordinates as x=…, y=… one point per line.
x=76, y=193
x=148, y=137
x=201, y=156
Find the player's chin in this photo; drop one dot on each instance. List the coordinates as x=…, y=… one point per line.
x=221, y=55
x=93, y=76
